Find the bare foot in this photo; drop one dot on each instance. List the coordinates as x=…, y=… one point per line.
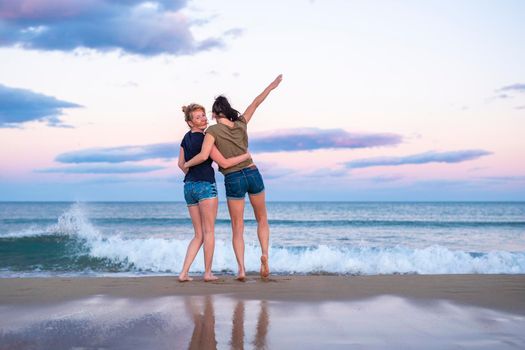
x=241, y=276
x=183, y=277
x=210, y=277
x=265, y=269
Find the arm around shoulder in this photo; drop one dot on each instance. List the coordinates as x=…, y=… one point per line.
x=204, y=153
x=225, y=163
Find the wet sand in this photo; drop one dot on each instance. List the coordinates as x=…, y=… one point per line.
x=501, y=292
x=309, y=312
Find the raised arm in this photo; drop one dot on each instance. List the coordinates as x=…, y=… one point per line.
x=181, y=161
x=204, y=154
x=259, y=99
x=225, y=163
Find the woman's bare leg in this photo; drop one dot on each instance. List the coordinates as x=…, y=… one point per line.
x=208, y=213
x=236, y=209
x=263, y=229
x=195, y=244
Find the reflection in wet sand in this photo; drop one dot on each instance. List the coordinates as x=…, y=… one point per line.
x=211, y=322
x=203, y=336
x=237, y=339
x=262, y=326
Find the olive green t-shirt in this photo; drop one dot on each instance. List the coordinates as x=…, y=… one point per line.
x=231, y=142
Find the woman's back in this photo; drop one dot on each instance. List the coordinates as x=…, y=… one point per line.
x=231, y=142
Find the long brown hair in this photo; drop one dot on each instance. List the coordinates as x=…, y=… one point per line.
x=222, y=109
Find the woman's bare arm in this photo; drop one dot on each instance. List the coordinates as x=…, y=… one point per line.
x=204, y=154
x=181, y=161
x=225, y=163
x=262, y=96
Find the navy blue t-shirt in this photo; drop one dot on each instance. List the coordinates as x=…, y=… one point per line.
x=192, y=144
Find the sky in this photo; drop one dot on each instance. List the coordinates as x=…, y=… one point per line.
x=380, y=100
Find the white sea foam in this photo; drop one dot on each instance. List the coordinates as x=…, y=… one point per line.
x=160, y=255
x=324, y=259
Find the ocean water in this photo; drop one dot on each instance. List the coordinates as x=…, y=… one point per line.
x=122, y=239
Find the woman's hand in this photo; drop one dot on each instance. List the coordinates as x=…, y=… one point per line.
x=276, y=82
x=181, y=162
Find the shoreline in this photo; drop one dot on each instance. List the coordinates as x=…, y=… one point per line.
x=498, y=292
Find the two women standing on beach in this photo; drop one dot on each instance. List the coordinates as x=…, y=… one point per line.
x=200, y=189
x=229, y=138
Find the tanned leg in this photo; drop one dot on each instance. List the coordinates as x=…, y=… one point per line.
x=236, y=209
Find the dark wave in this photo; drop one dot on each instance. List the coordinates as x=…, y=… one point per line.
x=398, y=223
x=52, y=253
x=29, y=221
x=300, y=223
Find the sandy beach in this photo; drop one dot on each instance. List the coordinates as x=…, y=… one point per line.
x=502, y=292
x=394, y=311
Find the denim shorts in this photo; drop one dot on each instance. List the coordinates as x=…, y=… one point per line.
x=196, y=191
x=242, y=181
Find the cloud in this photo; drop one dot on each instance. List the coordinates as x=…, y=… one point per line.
x=115, y=179
x=520, y=107
x=234, y=32
x=274, y=141
x=422, y=158
x=441, y=184
x=325, y=173
x=505, y=179
x=479, y=168
x=120, y=154
x=134, y=26
x=18, y=106
x=513, y=88
x=102, y=169
x=385, y=178
x=312, y=139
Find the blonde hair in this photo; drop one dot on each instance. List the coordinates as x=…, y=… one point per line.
x=189, y=109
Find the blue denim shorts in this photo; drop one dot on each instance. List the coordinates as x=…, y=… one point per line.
x=196, y=191
x=242, y=181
